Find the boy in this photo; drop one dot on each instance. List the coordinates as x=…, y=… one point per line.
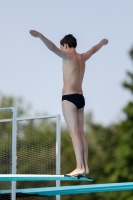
x=73, y=101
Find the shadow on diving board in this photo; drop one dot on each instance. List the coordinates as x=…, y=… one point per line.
x=79, y=189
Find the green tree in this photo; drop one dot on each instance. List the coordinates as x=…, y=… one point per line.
x=10, y=101
x=124, y=156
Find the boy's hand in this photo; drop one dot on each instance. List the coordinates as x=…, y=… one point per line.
x=104, y=41
x=35, y=33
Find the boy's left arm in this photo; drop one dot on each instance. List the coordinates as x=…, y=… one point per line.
x=94, y=49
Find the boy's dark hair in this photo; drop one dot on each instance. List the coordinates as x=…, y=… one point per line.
x=70, y=40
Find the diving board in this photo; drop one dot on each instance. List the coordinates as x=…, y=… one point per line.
x=36, y=177
x=79, y=189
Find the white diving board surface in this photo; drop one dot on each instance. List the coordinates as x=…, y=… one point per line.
x=79, y=189
x=36, y=177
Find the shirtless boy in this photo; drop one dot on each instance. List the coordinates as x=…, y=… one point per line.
x=73, y=101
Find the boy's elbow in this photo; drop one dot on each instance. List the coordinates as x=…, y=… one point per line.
x=52, y=47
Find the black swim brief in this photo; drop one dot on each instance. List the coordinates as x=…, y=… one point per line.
x=77, y=99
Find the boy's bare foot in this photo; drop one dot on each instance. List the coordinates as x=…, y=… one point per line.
x=86, y=172
x=78, y=172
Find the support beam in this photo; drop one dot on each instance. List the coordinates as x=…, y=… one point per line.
x=65, y=190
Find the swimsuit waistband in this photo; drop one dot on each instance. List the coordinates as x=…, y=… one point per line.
x=72, y=94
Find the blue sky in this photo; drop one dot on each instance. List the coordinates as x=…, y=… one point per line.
x=28, y=69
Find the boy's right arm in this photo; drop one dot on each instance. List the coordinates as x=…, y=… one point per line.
x=94, y=49
x=51, y=46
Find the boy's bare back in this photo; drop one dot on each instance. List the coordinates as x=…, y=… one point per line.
x=73, y=73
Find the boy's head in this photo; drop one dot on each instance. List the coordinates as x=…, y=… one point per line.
x=69, y=40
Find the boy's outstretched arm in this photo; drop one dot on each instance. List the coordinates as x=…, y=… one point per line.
x=51, y=46
x=94, y=49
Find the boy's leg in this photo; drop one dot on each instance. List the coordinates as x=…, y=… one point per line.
x=71, y=117
x=85, y=143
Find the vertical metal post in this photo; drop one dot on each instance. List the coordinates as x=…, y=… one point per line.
x=14, y=136
x=58, y=133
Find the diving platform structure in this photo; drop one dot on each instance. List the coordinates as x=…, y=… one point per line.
x=62, y=190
